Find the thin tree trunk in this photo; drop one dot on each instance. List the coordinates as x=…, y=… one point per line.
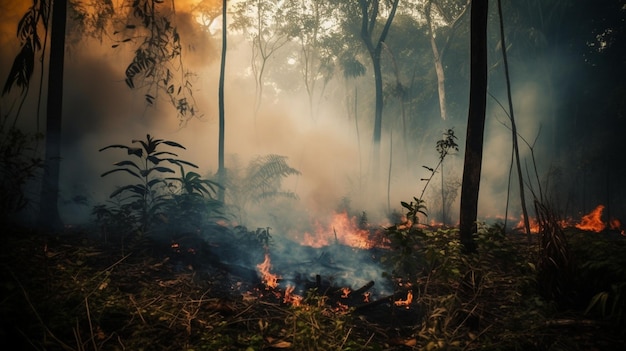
x=441, y=87
x=475, y=125
x=513, y=126
x=367, y=29
x=221, y=171
x=49, y=211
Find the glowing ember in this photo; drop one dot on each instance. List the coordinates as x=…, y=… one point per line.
x=270, y=280
x=407, y=302
x=342, y=229
x=345, y=292
x=615, y=224
x=366, y=296
x=592, y=221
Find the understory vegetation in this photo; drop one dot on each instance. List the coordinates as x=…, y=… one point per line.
x=148, y=274
x=71, y=291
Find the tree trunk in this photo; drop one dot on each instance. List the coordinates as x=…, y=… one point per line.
x=441, y=86
x=49, y=211
x=378, y=118
x=221, y=171
x=475, y=125
x=367, y=29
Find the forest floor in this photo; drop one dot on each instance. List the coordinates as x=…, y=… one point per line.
x=71, y=291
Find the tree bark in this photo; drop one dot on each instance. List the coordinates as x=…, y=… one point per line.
x=515, y=137
x=441, y=78
x=221, y=171
x=475, y=125
x=367, y=29
x=49, y=211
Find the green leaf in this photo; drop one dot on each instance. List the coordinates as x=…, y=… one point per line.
x=121, y=170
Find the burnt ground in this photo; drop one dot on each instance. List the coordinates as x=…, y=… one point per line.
x=70, y=290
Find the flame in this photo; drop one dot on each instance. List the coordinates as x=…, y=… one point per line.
x=342, y=229
x=270, y=280
x=290, y=297
x=345, y=292
x=534, y=226
x=407, y=302
x=592, y=221
x=616, y=224
x=366, y=296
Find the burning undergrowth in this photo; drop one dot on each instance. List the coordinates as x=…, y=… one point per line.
x=334, y=255
x=238, y=289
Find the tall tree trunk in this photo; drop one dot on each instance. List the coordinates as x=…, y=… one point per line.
x=369, y=20
x=513, y=125
x=221, y=171
x=441, y=78
x=378, y=117
x=475, y=125
x=49, y=211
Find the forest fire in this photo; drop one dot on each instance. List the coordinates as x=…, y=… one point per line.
x=590, y=222
x=344, y=232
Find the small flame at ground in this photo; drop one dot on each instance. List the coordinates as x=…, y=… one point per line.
x=534, y=226
x=345, y=292
x=342, y=229
x=592, y=221
x=407, y=302
x=615, y=224
x=291, y=298
x=589, y=222
x=270, y=280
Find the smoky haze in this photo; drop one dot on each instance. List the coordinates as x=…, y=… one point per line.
x=332, y=156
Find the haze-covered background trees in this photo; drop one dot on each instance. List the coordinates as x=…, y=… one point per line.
x=301, y=83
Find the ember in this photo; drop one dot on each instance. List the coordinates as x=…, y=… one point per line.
x=407, y=302
x=616, y=225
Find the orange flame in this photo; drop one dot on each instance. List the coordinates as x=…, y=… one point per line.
x=270, y=280
x=407, y=302
x=616, y=224
x=290, y=297
x=366, y=296
x=592, y=221
x=345, y=292
x=532, y=222
x=341, y=229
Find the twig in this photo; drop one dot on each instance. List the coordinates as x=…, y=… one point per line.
x=32, y=307
x=93, y=339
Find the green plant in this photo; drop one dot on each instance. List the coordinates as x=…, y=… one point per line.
x=260, y=181
x=191, y=203
x=17, y=167
x=315, y=325
x=145, y=197
x=444, y=147
x=610, y=304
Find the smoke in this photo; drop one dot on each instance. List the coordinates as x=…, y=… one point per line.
x=334, y=161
